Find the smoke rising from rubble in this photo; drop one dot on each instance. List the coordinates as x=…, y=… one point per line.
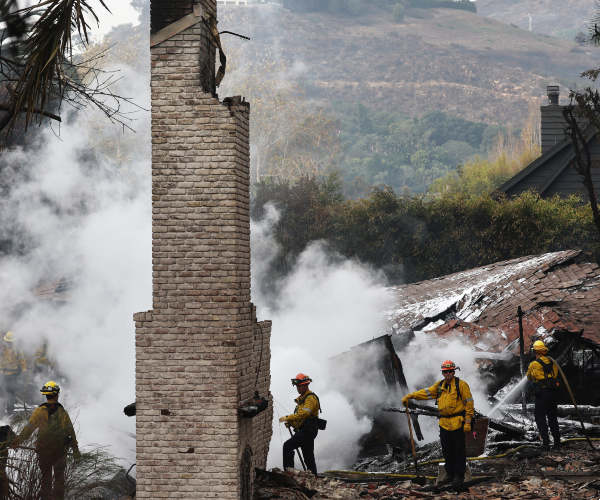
x=421, y=361
x=324, y=307
x=75, y=213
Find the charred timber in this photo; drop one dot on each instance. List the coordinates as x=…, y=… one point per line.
x=511, y=430
x=563, y=410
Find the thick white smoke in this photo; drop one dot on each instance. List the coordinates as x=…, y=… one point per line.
x=322, y=309
x=422, y=361
x=83, y=214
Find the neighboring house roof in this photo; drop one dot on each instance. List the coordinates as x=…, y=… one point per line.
x=479, y=306
x=552, y=174
x=57, y=289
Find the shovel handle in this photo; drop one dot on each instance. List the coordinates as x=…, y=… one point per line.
x=298, y=450
x=412, y=441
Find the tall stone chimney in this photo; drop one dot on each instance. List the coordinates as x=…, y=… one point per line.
x=200, y=353
x=553, y=123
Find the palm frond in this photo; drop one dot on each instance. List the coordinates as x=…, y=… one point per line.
x=47, y=51
x=593, y=36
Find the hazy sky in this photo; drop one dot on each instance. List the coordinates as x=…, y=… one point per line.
x=122, y=12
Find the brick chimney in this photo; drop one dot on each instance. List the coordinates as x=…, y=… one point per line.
x=553, y=124
x=200, y=353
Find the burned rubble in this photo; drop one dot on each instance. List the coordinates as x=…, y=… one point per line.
x=560, y=298
x=571, y=474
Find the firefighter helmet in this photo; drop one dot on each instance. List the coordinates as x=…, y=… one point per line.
x=539, y=346
x=301, y=379
x=50, y=389
x=449, y=365
x=9, y=337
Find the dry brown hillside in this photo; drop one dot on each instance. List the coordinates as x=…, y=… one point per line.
x=549, y=16
x=437, y=59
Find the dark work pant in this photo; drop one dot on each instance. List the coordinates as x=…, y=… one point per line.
x=3, y=480
x=546, y=407
x=306, y=442
x=454, y=450
x=10, y=386
x=52, y=466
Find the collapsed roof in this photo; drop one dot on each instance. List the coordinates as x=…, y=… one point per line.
x=556, y=291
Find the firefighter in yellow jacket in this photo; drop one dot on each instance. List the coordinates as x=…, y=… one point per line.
x=55, y=436
x=44, y=361
x=12, y=365
x=456, y=409
x=543, y=375
x=304, y=423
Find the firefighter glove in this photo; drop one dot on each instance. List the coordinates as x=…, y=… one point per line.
x=76, y=454
x=467, y=426
x=405, y=400
x=283, y=419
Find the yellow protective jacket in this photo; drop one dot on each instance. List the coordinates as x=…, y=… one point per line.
x=43, y=357
x=12, y=360
x=448, y=402
x=535, y=372
x=55, y=432
x=306, y=407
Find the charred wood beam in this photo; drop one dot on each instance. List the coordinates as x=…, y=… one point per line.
x=511, y=430
x=563, y=410
x=575, y=426
x=417, y=427
x=415, y=411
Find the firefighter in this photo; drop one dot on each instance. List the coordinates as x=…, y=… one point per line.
x=543, y=376
x=44, y=361
x=304, y=422
x=456, y=410
x=6, y=437
x=55, y=436
x=11, y=366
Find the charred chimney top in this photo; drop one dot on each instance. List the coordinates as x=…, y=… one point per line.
x=553, y=94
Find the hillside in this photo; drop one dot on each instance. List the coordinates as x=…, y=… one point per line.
x=435, y=60
x=561, y=18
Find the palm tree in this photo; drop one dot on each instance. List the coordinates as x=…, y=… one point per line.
x=39, y=69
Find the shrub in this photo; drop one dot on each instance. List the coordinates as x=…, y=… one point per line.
x=412, y=238
x=354, y=6
x=398, y=12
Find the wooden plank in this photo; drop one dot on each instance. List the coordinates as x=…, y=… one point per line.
x=178, y=26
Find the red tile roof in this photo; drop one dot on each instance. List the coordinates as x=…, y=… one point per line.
x=479, y=306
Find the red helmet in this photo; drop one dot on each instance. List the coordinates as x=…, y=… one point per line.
x=449, y=365
x=301, y=379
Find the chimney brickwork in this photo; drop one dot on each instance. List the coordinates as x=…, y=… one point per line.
x=199, y=349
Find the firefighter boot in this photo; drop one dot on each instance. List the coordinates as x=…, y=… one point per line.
x=458, y=480
x=447, y=480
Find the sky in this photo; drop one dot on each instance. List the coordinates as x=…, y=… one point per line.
x=120, y=13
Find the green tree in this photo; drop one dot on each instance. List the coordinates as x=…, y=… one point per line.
x=354, y=6
x=398, y=12
x=421, y=159
x=364, y=119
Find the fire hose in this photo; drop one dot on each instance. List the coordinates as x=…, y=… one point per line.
x=574, y=402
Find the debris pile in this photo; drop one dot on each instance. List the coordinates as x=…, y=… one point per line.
x=294, y=484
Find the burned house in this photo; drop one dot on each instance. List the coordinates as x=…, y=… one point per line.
x=201, y=355
x=559, y=294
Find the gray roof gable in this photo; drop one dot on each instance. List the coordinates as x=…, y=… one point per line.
x=551, y=173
